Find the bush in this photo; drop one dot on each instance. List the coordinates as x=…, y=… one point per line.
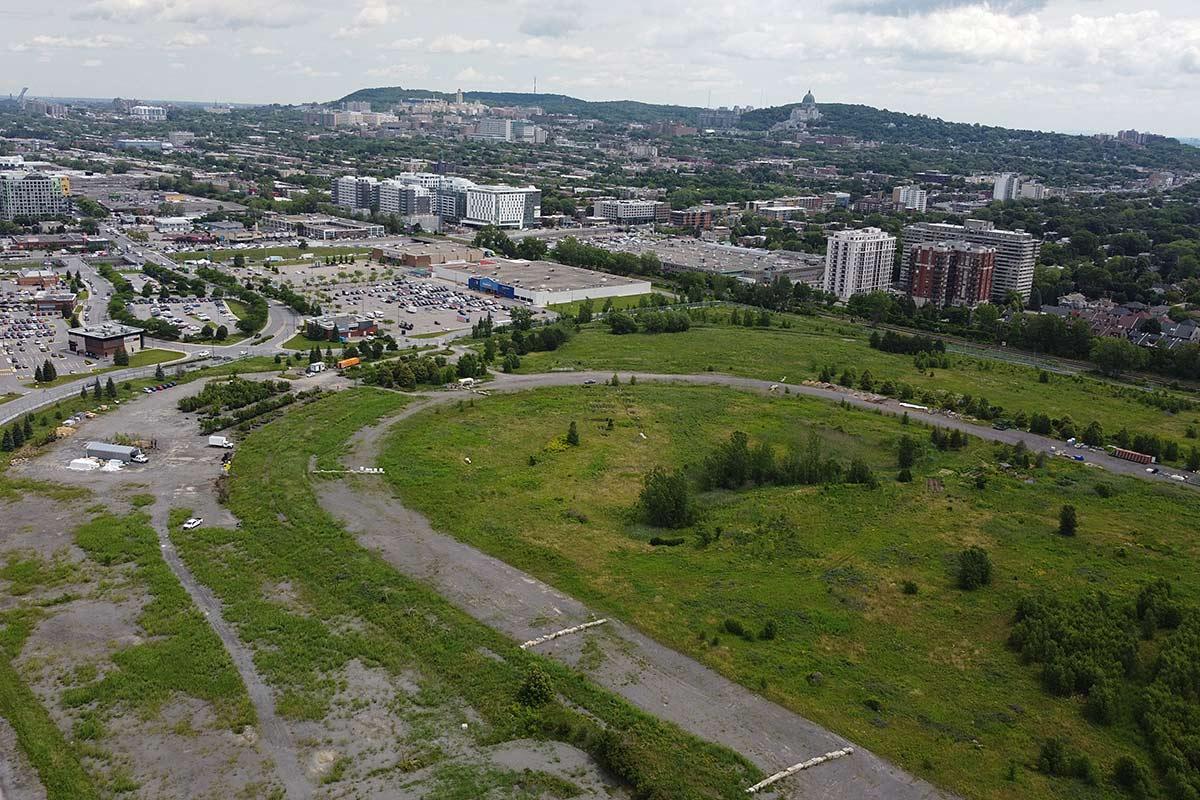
x=659, y=541
x=1129, y=774
x=736, y=628
x=904, y=476
x=666, y=499
x=909, y=587
x=769, y=631
x=974, y=569
x=536, y=689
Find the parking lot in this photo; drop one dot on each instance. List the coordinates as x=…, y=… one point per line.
x=408, y=306
x=189, y=314
x=29, y=337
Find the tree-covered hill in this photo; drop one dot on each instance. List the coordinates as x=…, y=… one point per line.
x=613, y=111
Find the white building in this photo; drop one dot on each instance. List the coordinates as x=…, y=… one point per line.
x=356, y=193
x=503, y=206
x=910, y=198
x=1007, y=186
x=148, y=113
x=494, y=129
x=540, y=283
x=35, y=195
x=858, y=262
x=1032, y=190
x=632, y=212
x=172, y=224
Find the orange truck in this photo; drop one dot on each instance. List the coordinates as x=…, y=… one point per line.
x=346, y=363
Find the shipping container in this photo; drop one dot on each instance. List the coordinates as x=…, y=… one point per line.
x=346, y=363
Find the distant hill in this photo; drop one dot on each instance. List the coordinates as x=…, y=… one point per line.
x=615, y=111
x=1051, y=150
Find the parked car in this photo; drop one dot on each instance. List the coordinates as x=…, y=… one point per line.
x=193, y=522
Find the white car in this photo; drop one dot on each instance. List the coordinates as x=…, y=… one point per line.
x=193, y=522
x=203, y=354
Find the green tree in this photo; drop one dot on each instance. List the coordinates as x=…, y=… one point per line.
x=974, y=568
x=666, y=499
x=573, y=434
x=1067, y=521
x=222, y=333
x=907, y=452
x=158, y=372
x=536, y=690
x=110, y=388
x=121, y=358
x=96, y=390
x=1114, y=356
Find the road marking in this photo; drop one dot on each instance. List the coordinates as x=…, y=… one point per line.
x=803, y=765
x=564, y=632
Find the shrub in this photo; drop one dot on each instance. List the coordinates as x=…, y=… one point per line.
x=909, y=587
x=666, y=499
x=974, y=568
x=736, y=628
x=1132, y=776
x=536, y=689
x=1067, y=521
x=905, y=475
x=769, y=631
x=659, y=541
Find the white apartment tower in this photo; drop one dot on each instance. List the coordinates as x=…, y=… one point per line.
x=1007, y=186
x=503, y=206
x=910, y=198
x=859, y=261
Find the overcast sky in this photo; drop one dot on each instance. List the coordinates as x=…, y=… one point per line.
x=1069, y=65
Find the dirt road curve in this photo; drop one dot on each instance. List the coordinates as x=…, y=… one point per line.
x=655, y=678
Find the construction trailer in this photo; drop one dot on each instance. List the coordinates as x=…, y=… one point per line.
x=115, y=452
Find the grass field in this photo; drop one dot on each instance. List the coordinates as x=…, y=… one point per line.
x=236, y=308
x=619, y=303
x=4, y=398
x=302, y=342
x=800, y=352
x=357, y=607
x=925, y=679
x=256, y=255
x=142, y=358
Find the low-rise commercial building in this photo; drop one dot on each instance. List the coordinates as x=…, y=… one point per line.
x=105, y=341
x=41, y=278
x=317, y=226
x=340, y=328
x=540, y=283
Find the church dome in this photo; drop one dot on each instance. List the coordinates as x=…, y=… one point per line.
x=809, y=100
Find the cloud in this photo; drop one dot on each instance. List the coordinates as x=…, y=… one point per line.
x=263, y=50
x=458, y=45
x=201, y=13
x=91, y=63
x=371, y=16
x=398, y=71
x=903, y=8
x=304, y=70
x=98, y=42
x=553, y=23
x=187, y=39
x=406, y=44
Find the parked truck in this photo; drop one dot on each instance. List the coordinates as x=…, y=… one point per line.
x=220, y=441
x=1133, y=455
x=107, y=451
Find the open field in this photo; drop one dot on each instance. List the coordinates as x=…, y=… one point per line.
x=925, y=679
x=142, y=358
x=257, y=254
x=313, y=603
x=618, y=303
x=800, y=352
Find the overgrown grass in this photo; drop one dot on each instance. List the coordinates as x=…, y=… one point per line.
x=800, y=352
x=387, y=620
x=923, y=678
x=181, y=655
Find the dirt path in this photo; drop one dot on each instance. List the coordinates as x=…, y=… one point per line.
x=652, y=677
x=275, y=737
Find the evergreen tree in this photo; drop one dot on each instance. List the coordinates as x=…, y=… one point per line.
x=83, y=393
x=96, y=390
x=6, y=443
x=121, y=358
x=37, y=375
x=110, y=388
x=18, y=436
x=27, y=429
x=573, y=434
x=158, y=373
x=1067, y=521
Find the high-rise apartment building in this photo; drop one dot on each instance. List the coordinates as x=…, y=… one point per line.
x=148, y=113
x=910, y=198
x=950, y=273
x=1016, y=252
x=859, y=261
x=356, y=193
x=404, y=199
x=33, y=195
x=1007, y=186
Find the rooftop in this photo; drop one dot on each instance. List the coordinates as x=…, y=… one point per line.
x=108, y=330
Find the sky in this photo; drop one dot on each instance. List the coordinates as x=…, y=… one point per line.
x=1065, y=65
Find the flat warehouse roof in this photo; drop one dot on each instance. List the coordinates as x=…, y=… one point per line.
x=545, y=275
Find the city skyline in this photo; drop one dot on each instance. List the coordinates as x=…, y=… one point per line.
x=1069, y=65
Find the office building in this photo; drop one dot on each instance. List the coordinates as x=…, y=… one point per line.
x=909, y=198
x=950, y=273
x=859, y=261
x=360, y=106
x=694, y=217
x=1032, y=190
x=404, y=199
x=143, y=144
x=503, y=206
x=632, y=212
x=106, y=340
x=1007, y=186
x=1016, y=252
x=33, y=195
x=494, y=129
x=148, y=113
